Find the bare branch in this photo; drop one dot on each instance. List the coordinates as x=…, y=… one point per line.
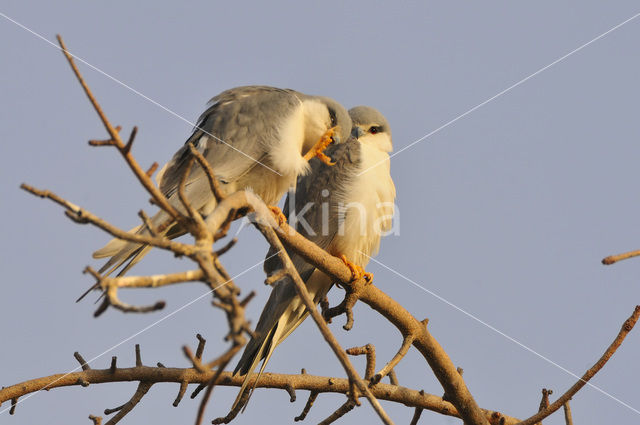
x=153, y=375
x=142, y=176
x=214, y=184
x=624, y=331
x=393, y=379
x=181, y=391
x=619, y=257
x=270, y=235
x=416, y=413
x=312, y=397
x=370, y=351
x=81, y=360
x=404, y=348
x=342, y=410
x=97, y=420
x=82, y=216
x=143, y=388
x=567, y=414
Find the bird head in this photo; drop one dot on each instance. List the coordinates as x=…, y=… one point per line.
x=337, y=116
x=371, y=127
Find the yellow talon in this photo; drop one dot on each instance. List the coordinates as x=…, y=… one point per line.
x=368, y=277
x=318, y=149
x=279, y=215
x=356, y=271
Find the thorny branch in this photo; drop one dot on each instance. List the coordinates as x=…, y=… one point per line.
x=162, y=374
x=206, y=231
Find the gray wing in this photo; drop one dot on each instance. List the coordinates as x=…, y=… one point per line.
x=283, y=311
x=235, y=134
x=309, y=188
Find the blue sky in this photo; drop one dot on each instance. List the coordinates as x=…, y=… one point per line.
x=505, y=213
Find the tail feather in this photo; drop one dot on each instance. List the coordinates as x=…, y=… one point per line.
x=264, y=351
x=114, y=246
x=129, y=253
x=282, y=314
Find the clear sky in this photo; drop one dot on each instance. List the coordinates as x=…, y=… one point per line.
x=505, y=213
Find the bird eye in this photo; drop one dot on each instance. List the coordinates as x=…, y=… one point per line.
x=332, y=115
x=374, y=129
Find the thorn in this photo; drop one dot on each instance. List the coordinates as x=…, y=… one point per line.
x=292, y=393
x=138, y=357
x=181, y=391
x=82, y=362
x=200, y=348
x=152, y=169
x=132, y=136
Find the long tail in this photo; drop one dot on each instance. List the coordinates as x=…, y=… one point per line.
x=122, y=252
x=282, y=314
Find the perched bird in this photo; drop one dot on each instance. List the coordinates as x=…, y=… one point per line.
x=344, y=209
x=254, y=137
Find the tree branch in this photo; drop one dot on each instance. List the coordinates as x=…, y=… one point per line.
x=155, y=375
x=624, y=331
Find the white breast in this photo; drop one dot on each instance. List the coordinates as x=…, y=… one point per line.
x=367, y=207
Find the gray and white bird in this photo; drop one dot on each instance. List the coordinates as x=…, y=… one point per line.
x=255, y=137
x=347, y=207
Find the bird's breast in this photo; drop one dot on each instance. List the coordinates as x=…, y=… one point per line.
x=366, y=208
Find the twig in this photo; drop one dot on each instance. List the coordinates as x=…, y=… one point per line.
x=624, y=331
x=143, y=388
x=292, y=393
x=214, y=184
x=619, y=257
x=200, y=349
x=404, y=348
x=340, y=412
x=83, y=216
x=393, y=378
x=312, y=397
x=567, y=414
x=437, y=358
x=142, y=176
x=544, y=401
x=234, y=412
x=319, y=384
x=197, y=365
x=181, y=391
x=270, y=235
x=97, y=420
x=416, y=414
x=370, y=351
x=81, y=360
x=221, y=362
x=345, y=307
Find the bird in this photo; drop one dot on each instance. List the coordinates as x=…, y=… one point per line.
x=347, y=207
x=254, y=137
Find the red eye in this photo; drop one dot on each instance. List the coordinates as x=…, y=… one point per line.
x=373, y=130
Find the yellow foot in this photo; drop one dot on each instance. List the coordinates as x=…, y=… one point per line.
x=279, y=216
x=356, y=271
x=320, y=146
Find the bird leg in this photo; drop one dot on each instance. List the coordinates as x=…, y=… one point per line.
x=356, y=271
x=279, y=215
x=318, y=149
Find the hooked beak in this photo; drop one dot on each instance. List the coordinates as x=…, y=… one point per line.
x=357, y=132
x=335, y=136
